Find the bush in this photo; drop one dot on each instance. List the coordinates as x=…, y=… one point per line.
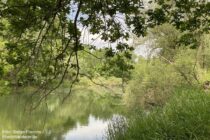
x=4, y=87
x=151, y=84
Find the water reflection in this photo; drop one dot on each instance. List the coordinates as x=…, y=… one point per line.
x=83, y=117
x=94, y=130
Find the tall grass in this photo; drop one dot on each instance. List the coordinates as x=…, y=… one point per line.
x=185, y=117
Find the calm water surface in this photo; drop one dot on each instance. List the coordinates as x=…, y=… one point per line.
x=94, y=130
x=82, y=117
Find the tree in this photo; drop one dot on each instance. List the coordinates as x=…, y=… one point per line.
x=120, y=64
x=189, y=16
x=48, y=31
x=166, y=39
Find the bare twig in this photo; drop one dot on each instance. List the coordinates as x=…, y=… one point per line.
x=98, y=84
x=75, y=48
x=181, y=72
x=92, y=54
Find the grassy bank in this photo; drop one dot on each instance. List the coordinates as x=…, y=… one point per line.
x=186, y=116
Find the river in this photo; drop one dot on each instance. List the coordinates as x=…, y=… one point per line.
x=83, y=116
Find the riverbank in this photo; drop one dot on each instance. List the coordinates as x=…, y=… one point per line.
x=185, y=116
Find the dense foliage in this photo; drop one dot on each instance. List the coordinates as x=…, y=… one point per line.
x=170, y=89
x=41, y=48
x=36, y=33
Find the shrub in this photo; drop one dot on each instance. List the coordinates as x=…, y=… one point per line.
x=152, y=84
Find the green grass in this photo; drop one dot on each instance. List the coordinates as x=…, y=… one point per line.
x=185, y=117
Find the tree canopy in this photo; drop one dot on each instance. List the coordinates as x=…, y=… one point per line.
x=42, y=37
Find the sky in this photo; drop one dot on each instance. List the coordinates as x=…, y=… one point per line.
x=95, y=40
